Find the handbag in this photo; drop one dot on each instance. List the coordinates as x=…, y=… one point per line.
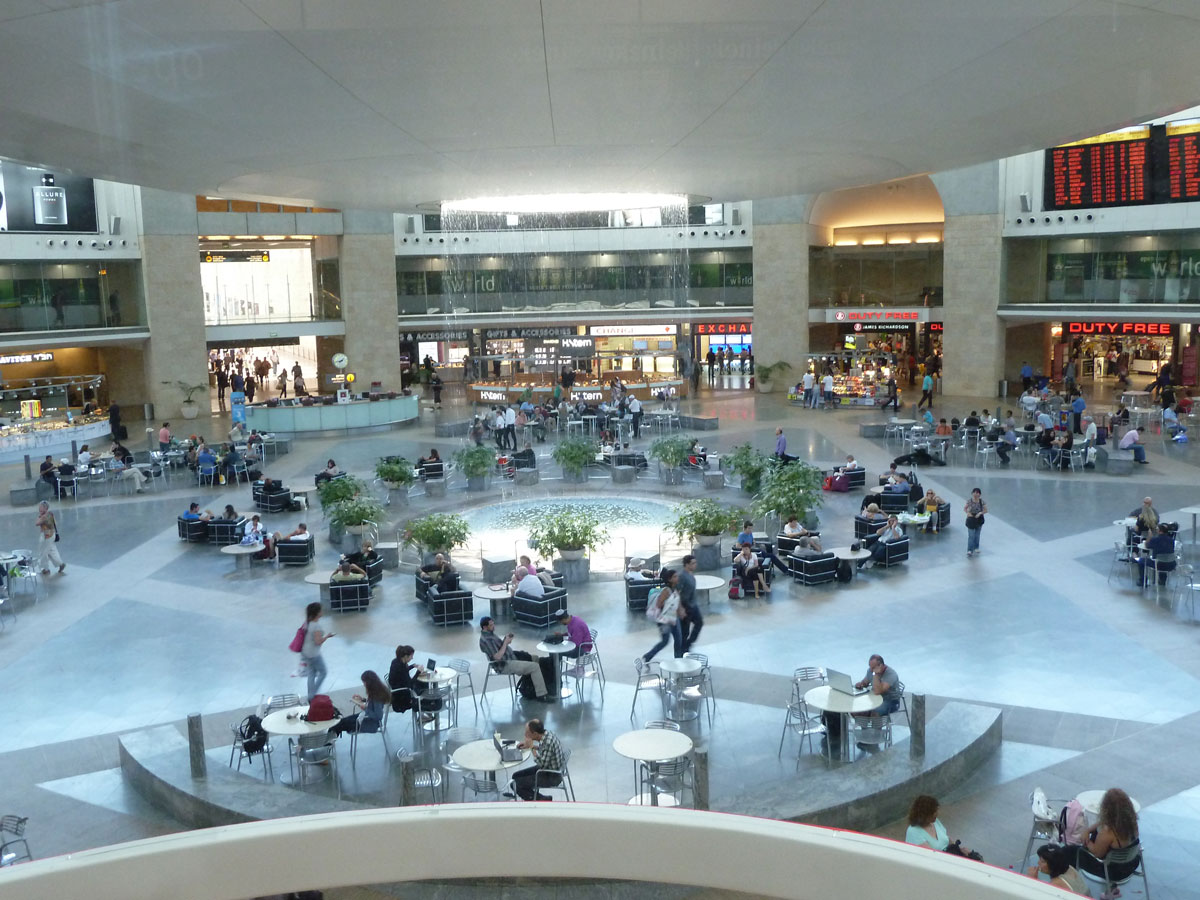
x=297, y=643
x=56, y=537
x=974, y=522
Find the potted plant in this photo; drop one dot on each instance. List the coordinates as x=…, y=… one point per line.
x=351, y=515
x=703, y=521
x=791, y=488
x=335, y=490
x=672, y=453
x=748, y=464
x=436, y=533
x=475, y=463
x=189, y=408
x=569, y=531
x=765, y=376
x=574, y=455
x=396, y=472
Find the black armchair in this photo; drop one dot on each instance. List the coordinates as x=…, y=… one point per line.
x=539, y=611
x=424, y=583
x=296, y=552
x=856, y=478
x=224, y=532
x=893, y=501
x=274, y=502
x=864, y=527
x=349, y=596
x=894, y=553
x=194, y=531
x=374, y=570
x=787, y=544
x=943, y=513
x=637, y=593
x=815, y=569
x=450, y=607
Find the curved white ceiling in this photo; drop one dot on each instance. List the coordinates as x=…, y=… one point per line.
x=388, y=103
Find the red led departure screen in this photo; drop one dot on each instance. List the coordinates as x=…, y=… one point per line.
x=1109, y=173
x=1183, y=166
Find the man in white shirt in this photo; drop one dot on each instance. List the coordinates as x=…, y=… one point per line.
x=528, y=584
x=1089, y=431
x=810, y=381
x=510, y=427
x=635, y=410
x=827, y=388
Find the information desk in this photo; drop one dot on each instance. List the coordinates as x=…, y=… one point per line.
x=543, y=389
x=335, y=417
x=53, y=437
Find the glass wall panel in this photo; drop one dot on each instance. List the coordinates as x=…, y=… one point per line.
x=47, y=296
x=909, y=275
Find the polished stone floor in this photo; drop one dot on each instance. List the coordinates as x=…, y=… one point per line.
x=1096, y=678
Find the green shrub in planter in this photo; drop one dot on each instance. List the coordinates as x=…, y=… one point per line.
x=395, y=471
x=437, y=532
x=787, y=489
x=475, y=462
x=574, y=454
x=567, y=529
x=355, y=511
x=748, y=464
x=672, y=452
x=336, y=490
x=705, y=517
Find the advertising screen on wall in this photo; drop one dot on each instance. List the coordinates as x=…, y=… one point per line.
x=34, y=199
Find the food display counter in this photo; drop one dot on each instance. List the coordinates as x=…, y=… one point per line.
x=357, y=414
x=53, y=437
x=589, y=392
x=852, y=390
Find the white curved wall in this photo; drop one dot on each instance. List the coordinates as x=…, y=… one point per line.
x=589, y=841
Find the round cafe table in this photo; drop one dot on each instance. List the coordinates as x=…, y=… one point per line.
x=241, y=554
x=322, y=581
x=827, y=699
x=288, y=723
x=497, y=596
x=481, y=756
x=678, y=709
x=851, y=556
x=437, y=679
x=705, y=584
x=1090, y=801
x=558, y=651
x=651, y=745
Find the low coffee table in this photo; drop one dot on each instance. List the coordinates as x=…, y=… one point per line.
x=705, y=584
x=851, y=556
x=241, y=554
x=497, y=597
x=323, y=582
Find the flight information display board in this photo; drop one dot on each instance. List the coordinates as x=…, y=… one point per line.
x=1097, y=173
x=1183, y=163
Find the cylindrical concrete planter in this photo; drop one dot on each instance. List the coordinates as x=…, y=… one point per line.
x=336, y=533
x=477, y=483
x=575, y=477
x=672, y=475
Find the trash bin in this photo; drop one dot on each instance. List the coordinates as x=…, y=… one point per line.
x=1002, y=388
x=148, y=412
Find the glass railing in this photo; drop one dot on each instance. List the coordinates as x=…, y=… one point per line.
x=741, y=297
x=248, y=310
x=45, y=296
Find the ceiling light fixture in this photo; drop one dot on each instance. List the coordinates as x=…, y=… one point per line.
x=846, y=243
x=872, y=242
x=562, y=203
x=899, y=240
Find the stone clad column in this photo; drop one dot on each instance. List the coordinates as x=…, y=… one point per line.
x=781, y=241
x=368, y=279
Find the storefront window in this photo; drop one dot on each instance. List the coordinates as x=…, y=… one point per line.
x=1160, y=268
x=44, y=296
x=875, y=276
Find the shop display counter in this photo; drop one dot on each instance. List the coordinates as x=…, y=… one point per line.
x=592, y=392
x=357, y=414
x=36, y=440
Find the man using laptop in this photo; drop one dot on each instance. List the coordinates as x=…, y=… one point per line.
x=547, y=754
x=882, y=680
x=506, y=661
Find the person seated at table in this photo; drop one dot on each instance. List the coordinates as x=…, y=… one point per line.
x=407, y=690
x=363, y=555
x=1116, y=829
x=327, y=474
x=1006, y=444
x=1161, y=544
x=971, y=421
x=1010, y=421
x=1170, y=420
x=889, y=477
x=930, y=505
x=370, y=718
x=237, y=432
x=850, y=465
x=925, y=829
x=253, y=532
x=506, y=661
x=48, y=471
x=347, y=572
x=927, y=418
x=193, y=514
x=229, y=514
x=440, y=572
x=873, y=512
x=943, y=429
x=124, y=458
x=805, y=539
x=889, y=533
x=525, y=458
x=230, y=460
x=748, y=568
x=206, y=462
x=628, y=457
x=1045, y=442
x=746, y=538
x=899, y=486
x=547, y=754
x=528, y=584
x=578, y=633
x=882, y=680
x=431, y=466
x=85, y=457
x=1045, y=421
x=1132, y=441
x=1061, y=451
x=1054, y=863
x=299, y=534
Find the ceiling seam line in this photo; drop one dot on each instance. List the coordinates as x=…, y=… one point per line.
x=546, y=67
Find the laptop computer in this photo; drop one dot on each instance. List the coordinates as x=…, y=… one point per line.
x=842, y=683
x=431, y=664
x=509, y=751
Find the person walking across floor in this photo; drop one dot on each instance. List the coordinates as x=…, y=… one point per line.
x=694, y=619
x=666, y=615
x=975, y=509
x=635, y=410
x=310, y=651
x=926, y=390
x=47, y=553
x=893, y=393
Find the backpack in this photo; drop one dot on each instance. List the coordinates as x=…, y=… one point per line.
x=525, y=687
x=254, y=736
x=652, y=607
x=320, y=709
x=845, y=574
x=735, y=588
x=297, y=643
x=827, y=484
x=1072, y=823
